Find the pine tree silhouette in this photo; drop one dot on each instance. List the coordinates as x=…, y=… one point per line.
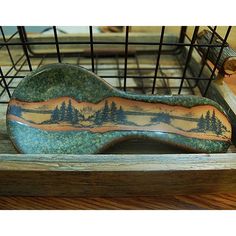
x=113, y=112
x=66, y=113
x=121, y=117
x=201, y=123
x=218, y=129
x=105, y=113
x=63, y=111
x=69, y=112
x=98, y=118
x=55, y=115
x=75, y=118
x=213, y=121
x=207, y=120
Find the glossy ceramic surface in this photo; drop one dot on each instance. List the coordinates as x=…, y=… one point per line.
x=64, y=108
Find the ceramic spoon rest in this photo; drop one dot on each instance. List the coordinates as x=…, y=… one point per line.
x=63, y=108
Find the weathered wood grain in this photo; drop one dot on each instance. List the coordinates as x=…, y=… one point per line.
x=111, y=162
x=189, y=202
x=116, y=175
x=227, y=60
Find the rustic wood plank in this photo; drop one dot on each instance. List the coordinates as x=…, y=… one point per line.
x=189, y=202
x=227, y=60
x=103, y=162
x=113, y=176
x=34, y=183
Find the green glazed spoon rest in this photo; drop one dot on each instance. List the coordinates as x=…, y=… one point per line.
x=64, y=108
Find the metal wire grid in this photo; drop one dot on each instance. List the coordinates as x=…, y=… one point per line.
x=23, y=65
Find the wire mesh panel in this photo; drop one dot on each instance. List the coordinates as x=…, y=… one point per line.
x=157, y=63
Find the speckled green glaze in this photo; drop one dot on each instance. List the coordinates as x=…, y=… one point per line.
x=64, y=80
x=59, y=80
x=84, y=142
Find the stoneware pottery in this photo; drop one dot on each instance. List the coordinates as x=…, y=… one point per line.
x=64, y=108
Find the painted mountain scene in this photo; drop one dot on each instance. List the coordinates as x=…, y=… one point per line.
x=113, y=118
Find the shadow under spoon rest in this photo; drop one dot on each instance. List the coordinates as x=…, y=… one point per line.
x=62, y=108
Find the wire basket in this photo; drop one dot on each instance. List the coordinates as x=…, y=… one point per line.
x=155, y=64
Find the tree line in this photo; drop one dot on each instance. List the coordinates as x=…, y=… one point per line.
x=110, y=114
x=66, y=113
x=72, y=115
x=210, y=122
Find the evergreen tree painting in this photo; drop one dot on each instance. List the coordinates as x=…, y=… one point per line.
x=69, y=112
x=55, y=115
x=109, y=114
x=98, y=118
x=75, y=118
x=201, y=123
x=218, y=127
x=207, y=120
x=105, y=113
x=63, y=111
x=121, y=117
x=66, y=113
x=113, y=112
x=211, y=123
